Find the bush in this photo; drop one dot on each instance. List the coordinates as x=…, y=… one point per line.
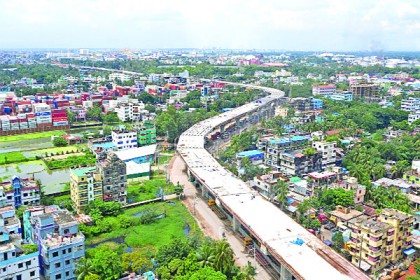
x=59, y=142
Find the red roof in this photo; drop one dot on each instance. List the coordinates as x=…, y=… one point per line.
x=410, y=271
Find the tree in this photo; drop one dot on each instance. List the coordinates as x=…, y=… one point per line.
x=281, y=190
x=177, y=249
x=94, y=113
x=83, y=268
x=338, y=241
x=30, y=248
x=136, y=262
x=205, y=256
x=224, y=256
x=106, y=263
x=147, y=98
x=59, y=142
x=111, y=118
x=207, y=273
x=71, y=116
x=247, y=272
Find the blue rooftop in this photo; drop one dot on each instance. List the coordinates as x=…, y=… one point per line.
x=106, y=145
x=249, y=153
x=287, y=140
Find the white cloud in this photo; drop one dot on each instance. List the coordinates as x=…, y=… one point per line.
x=275, y=24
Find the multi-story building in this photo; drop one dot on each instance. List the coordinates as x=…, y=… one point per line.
x=316, y=104
x=328, y=151
x=119, y=76
x=412, y=117
x=342, y=96
x=301, y=103
x=15, y=263
x=59, y=240
x=146, y=134
x=19, y=192
x=272, y=147
x=265, y=183
x=410, y=104
x=296, y=163
x=114, y=180
x=124, y=139
x=85, y=186
x=375, y=242
x=132, y=110
x=366, y=91
x=324, y=89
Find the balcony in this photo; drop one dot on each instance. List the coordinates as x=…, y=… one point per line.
x=388, y=253
x=375, y=239
x=390, y=233
x=374, y=249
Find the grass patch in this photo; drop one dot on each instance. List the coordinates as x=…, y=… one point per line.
x=163, y=160
x=145, y=190
x=55, y=150
x=29, y=136
x=159, y=233
x=71, y=161
x=14, y=157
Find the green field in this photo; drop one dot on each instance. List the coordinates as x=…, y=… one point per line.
x=145, y=190
x=14, y=157
x=159, y=233
x=55, y=150
x=164, y=160
x=19, y=137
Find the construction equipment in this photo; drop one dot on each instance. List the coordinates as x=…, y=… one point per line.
x=247, y=241
x=211, y=202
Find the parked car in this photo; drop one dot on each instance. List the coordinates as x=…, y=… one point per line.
x=329, y=226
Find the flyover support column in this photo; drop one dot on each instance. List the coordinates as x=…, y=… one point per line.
x=235, y=224
x=222, y=128
x=284, y=273
x=204, y=192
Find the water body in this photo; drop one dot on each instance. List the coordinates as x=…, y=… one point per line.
x=52, y=180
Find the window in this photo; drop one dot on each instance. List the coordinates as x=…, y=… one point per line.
x=19, y=277
x=67, y=262
x=64, y=251
x=32, y=273
x=58, y=276
x=67, y=273
x=57, y=265
x=28, y=263
x=20, y=265
x=69, y=250
x=55, y=254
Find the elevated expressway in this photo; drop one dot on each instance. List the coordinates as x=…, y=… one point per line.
x=272, y=231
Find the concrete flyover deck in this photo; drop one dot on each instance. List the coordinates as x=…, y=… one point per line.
x=289, y=248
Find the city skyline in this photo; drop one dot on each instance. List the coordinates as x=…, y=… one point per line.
x=387, y=25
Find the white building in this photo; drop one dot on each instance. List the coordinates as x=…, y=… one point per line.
x=328, y=150
x=14, y=263
x=410, y=104
x=119, y=76
x=124, y=139
x=324, y=89
x=413, y=117
x=130, y=111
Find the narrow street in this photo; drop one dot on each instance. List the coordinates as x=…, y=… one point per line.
x=207, y=220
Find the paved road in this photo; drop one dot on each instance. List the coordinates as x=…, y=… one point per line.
x=207, y=220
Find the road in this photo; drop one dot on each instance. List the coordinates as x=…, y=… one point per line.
x=207, y=220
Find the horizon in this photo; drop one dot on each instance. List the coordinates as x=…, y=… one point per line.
x=324, y=26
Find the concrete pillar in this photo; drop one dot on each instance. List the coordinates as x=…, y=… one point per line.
x=236, y=224
x=204, y=192
x=222, y=128
x=284, y=273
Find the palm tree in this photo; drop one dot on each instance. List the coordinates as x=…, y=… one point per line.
x=247, y=272
x=206, y=256
x=83, y=268
x=378, y=171
x=281, y=190
x=224, y=256
x=398, y=169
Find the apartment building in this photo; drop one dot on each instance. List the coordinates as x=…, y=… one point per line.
x=342, y=96
x=324, y=89
x=146, y=134
x=19, y=191
x=119, y=76
x=410, y=104
x=60, y=243
x=265, y=183
x=412, y=117
x=85, y=186
x=124, y=139
x=296, y=163
x=366, y=91
x=316, y=104
x=114, y=178
x=328, y=151
x=301, y=103
x=130, y=111
x=375, y=242
x=273, y=147
x=14, y=262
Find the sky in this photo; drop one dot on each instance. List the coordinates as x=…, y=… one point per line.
x=297, y=25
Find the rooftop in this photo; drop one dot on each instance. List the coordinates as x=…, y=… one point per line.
x=133, y=153
x=80, y=172
x=346, y=216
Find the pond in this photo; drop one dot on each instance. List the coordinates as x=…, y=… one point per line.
x=52, y=180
